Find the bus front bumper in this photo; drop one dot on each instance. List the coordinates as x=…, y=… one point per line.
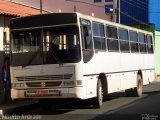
x=76, y=92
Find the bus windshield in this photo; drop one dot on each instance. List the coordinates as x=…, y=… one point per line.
x=55, y=45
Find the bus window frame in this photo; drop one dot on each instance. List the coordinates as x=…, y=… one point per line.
x=122, y=40
x=114, y=39
x=82, y=35
x=137, y=42
x=101, y=37
x=151, y=44
x=142, y=43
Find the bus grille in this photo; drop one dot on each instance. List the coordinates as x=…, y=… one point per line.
x=43, y=78
x=44, y=84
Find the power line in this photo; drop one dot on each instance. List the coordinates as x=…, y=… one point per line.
x=126, y=14
x=139, y=21
x=142, y=2
x=139, y=4
x=134, y=5
x=133, y=18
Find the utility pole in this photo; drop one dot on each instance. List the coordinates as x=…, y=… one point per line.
x=75, y=8
x=41, y=6
x=118, y=12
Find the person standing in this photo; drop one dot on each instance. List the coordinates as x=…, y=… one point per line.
x=6, y=80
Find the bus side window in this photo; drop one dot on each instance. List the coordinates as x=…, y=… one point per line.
x=86, y=34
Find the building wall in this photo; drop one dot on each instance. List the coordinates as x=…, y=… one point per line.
x=4, y=27
x=132, y=11
x=157, y=51
x=83, y=6
x=1, y=41
x=154, y=13
x=1, y=56
x=138, y=11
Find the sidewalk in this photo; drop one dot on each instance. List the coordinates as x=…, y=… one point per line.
x=157, y=79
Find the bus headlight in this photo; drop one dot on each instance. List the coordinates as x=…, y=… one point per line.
x=68, y=83
x=17, y=85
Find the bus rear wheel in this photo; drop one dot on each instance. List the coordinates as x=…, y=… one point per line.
x=98, y=100
x=137, y=91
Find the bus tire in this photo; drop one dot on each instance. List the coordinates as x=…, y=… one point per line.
x=98, y=100
x=138, y=89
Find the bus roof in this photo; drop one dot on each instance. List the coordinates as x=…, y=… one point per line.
x=43, y=20
x=110, y=23
x=65, y=18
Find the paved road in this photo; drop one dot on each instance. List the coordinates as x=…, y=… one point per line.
x=116, y=107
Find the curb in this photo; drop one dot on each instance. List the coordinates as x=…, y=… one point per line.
x=157, y=79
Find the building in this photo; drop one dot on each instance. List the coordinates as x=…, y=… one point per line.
x=9, y=10
x=103, y=9
x=140, y=11
x=157, y=51
x=154, y=13
x=131, y=11
x=144, y=12
x=134, y=11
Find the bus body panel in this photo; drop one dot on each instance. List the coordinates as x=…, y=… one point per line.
x=79, y=80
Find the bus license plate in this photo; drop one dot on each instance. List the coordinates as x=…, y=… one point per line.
x=42, y=92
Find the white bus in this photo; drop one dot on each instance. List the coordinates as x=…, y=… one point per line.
x=71, y=55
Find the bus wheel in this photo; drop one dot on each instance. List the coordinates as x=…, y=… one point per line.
x=97, y=102
x=138, y=89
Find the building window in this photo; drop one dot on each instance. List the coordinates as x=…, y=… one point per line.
x=108, y=9
x=99, y=36
x=108, y=0
x=97, y=1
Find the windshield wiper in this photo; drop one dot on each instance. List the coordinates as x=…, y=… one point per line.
x=54, y=55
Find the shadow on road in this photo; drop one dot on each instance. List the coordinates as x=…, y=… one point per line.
x=143, y=105
x=145, y=108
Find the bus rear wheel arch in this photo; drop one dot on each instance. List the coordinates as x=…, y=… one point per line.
x=103, y=79
x=137, y=91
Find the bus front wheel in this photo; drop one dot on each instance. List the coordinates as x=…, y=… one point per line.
x=98, y=100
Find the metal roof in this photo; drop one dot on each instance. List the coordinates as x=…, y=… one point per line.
x=14, y=9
